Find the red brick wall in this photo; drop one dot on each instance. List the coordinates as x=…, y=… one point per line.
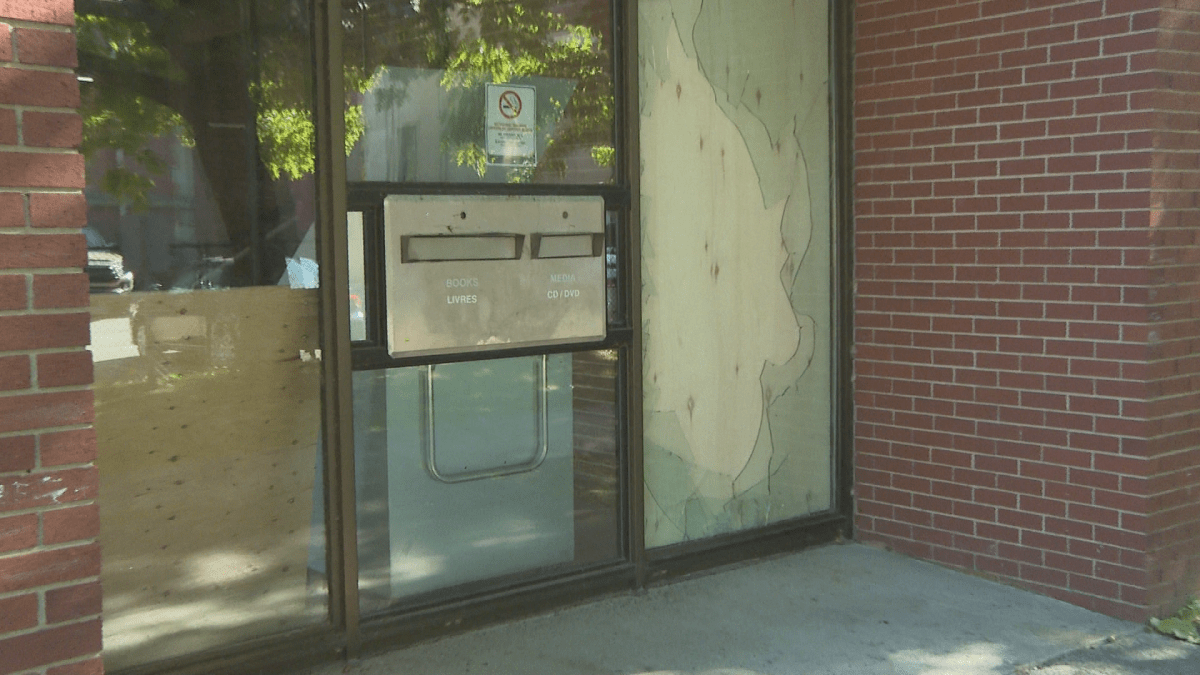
x=49, y=558
x=1173, y=519
x=1023, y=326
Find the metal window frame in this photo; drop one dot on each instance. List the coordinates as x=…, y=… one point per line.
x=347, y=635
x=479, y=603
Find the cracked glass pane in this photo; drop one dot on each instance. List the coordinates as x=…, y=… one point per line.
x=735, y=141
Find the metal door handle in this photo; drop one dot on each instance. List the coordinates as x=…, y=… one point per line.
x=430, y=442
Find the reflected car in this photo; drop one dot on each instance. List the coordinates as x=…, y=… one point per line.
x=207, y=273
x=107, y=274
x=105, y=267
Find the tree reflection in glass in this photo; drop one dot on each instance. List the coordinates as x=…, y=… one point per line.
x=417, y=72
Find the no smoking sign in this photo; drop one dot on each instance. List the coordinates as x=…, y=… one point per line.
x=511, y=125
x=510, y=104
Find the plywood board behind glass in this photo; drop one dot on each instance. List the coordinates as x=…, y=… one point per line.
x=736, y=265
x=197, y=136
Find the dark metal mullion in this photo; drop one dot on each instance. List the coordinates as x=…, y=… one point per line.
x=279, y=653
x=842, y=221
x=483, y=592
x=689, y=557
x=338, y=428
x=625, y=511
x=626, y=69
x=619, y=57
x=375, y=357
x=363, y=191
x=400, y=626
x=250, y=58
x=374, y=275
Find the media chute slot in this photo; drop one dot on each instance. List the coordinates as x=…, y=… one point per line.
x=441, y=248
x=567, y=245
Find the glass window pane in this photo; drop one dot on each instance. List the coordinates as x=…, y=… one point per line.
x=197, y=141
x=471, y=472
x=197, y=136
x=357, y=273
x=736, y=274
x=467, y=91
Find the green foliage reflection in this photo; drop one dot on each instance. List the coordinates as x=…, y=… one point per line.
x=474, y=42
x=233, y=81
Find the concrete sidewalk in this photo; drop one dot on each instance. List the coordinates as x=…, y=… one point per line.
x=845, y=609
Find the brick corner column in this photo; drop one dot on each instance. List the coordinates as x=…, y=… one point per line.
x=49, y=556
x=1027, y=260
x=1172, y=486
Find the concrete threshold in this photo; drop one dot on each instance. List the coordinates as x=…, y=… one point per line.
x=842, y=609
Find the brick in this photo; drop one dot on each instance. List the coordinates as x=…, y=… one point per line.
x=12, y=210
x=36, y=46
x=14, y=373
x=38, y=88
x=8, y=124
x=42, y=411
x=18, y=612
x=60, y=12
x=60, y=643
x=58, y=291
x=93, y=666
x=51, y=130
x=40, y=170
x=43, y=331
x=14, y=293
x=998, y=566
x=73, y=602
x=1093, y=586
x=42, y=568
x=68, y=447
x=17, y=453
x=47, y=489
x=72, y=524
x=57, y=210
x=64, y=369
x=27, y=251
x=956, y=558
x=17, y=533
x=1043, y=575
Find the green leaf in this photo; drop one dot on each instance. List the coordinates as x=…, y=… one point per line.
x=472, y=155
x=1176, y=627
x=604, y=155
x=129, y=187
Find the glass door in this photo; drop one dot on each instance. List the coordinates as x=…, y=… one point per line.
x=487, y=232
